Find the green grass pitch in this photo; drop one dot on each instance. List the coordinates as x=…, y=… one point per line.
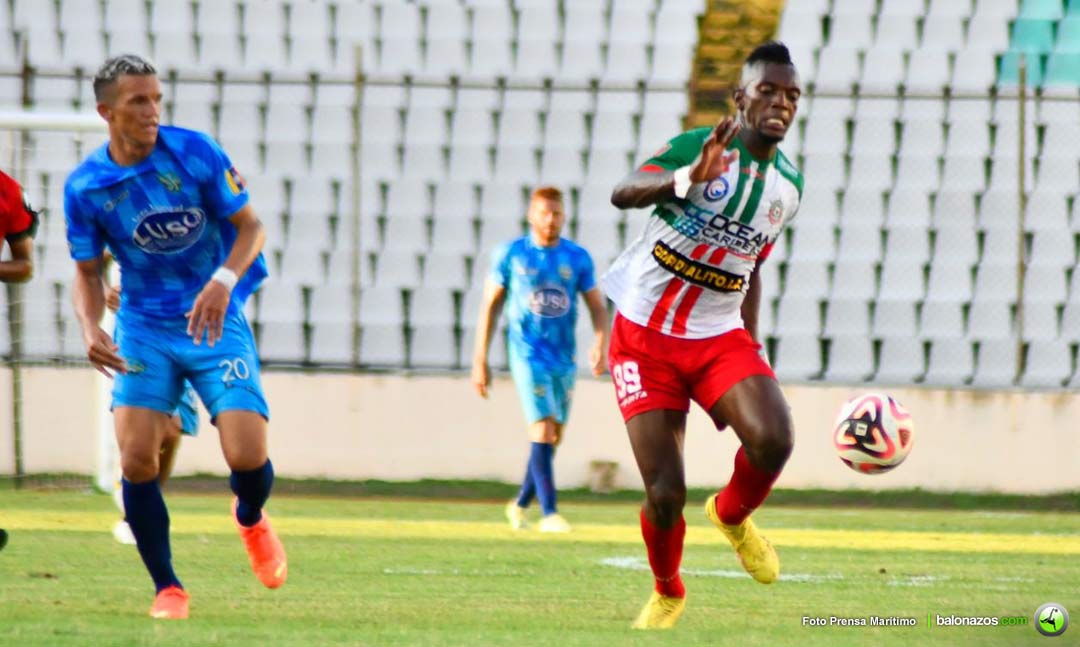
x=397, y=572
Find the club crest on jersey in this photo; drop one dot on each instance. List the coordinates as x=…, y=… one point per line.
x=171, y=181
x=565, y=272
x=717, y=189
x=549, y=301
x=776, y=212
x=168, y=231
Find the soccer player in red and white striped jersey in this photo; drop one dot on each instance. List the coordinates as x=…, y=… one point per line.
x=687, y=293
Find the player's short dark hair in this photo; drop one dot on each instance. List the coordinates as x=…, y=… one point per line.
x=772, y=51
x=118, y=66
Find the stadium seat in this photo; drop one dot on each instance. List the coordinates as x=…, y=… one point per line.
x=860, y=242
x=630, y=24
x=1048, y=364
x=973, y=72
x=406, y=232
x=854, y=279
x=332, y=343
x=902, y=361
x=382, y=345
x=1063, y=70
x=995, y=364
x=942, y=319
x=901, y=32
x=894, y=318
x=382, y=305
x=851, y=360
x=1052, y=249
x=798, y=357
x=454, y=235
x=824, y=172
x=397, y=268
x=1039, y=320
x=280, y=302
x=281, y=341
x=627, y=64
x=883, y=70
x=798, y=315
x=431, y=306
x=873, y=136
x=989, y=319
x=907, y=209
x=813, y=243
x=917, y=173
x=954, y=210
x=1046, y=212
x=940, y=8
x=1009, y=71
x=846, y=317
x=987, y=31
x=1040, y=10
x=907, y=244
x=838, y=69
x=432, y=346
x=469, y=163
x=1003, y=9
x=490, y=59
x=950, y=279
x=872, y=172
x=535, y=62
x=927, y=71
x=445, y=269
x=996, y=278
x=950, y=363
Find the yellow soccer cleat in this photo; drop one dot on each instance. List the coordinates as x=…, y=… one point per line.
x=755, y=552
x=515, y=514
x=554, y=523
x=660, y=612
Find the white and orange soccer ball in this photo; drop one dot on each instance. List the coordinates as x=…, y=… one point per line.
x=873, y=433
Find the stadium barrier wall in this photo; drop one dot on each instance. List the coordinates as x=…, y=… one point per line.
x=396, y=427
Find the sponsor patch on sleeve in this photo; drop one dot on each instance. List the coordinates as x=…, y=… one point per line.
x=234, y=180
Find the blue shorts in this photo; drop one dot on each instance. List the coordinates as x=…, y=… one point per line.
x=188, y=412
x=161, y=355
x=544, y=392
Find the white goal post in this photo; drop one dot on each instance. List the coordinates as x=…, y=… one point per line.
x=20, y=158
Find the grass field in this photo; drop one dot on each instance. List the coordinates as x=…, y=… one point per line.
x=411, y=572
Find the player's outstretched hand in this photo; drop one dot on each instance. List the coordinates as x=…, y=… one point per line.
x=597, y=359
x=481, y=378
x=714, y=158
x=102, y=352
x=207, y=316
x=112, y=298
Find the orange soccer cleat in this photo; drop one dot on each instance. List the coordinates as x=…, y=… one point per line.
x=264, y=550
x=171, y=603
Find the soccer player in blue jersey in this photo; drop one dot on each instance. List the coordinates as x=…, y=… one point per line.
x=539, y=277
x=172, y=210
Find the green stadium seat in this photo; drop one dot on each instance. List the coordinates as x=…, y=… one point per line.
x=1063, y=69
x=1073, y=8
x=1009, y=68
x=1068, y=34
x=1037, y=35
x=1041, y=9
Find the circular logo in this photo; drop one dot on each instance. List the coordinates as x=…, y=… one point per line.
x=716, y=189
x=1051, y=619
x=549, y=301
x=167, y=232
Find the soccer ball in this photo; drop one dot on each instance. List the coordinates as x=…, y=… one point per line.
x=873, y=433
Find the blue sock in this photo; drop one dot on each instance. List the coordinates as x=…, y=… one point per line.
x=540, y=464
x=252, y=488
x=528, y=487
x=149, y=520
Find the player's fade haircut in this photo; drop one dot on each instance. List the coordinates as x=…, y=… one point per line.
x=117, y=66
x=771, y=52
x=546, y=192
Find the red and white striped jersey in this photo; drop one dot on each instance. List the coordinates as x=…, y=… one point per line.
x=687, y=273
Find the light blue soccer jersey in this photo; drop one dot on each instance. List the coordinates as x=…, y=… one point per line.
x=165, y=220
x=542, y=284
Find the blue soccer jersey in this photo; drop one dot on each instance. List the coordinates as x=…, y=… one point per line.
x=165, y=220
x=542, y=284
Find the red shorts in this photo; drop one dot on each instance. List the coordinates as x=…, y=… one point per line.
x=652, y=370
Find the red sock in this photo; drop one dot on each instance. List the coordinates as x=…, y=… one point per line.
x=665, y=546
x=745, y=491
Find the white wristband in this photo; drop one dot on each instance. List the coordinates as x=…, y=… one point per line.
x=226, y=277
x=682, y=181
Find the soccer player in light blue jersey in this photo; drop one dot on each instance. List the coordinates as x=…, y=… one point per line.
x=174, y=213
x=538, y=277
